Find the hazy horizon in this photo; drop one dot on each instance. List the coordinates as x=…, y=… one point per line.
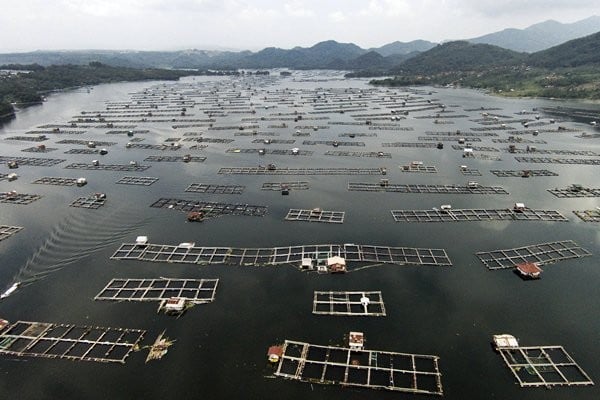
x=165, y=25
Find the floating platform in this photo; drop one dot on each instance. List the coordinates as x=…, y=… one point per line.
x=209, y=208
x=82, y=151
x=281, y=255
x=31, y=161
x=56, y=181
x=541, y=254
x=300, y=171
x=332, y=143
x=18, y=198
x=40, y=149
x=447, y=139
x=274, y=141
x=357, y=303
x=374, y=154
x=215, y=189
x=194, y=291
x=589, y=215
x=548, y=160
x=430, y=169
x=315, y=215
x=543, y=366
x=86, y=142
x=411, y=145
x=470, y=171
x=108, y=167
x=550, y=151
x=85, y=343
x=279, y=186
x=93, y=201
x=350, y=367
x=7, y=231
x=146, y=146
x=459, y=215
x=40, y=138
x=432, y=189
x=278, y=152
x=522, y=173
x=175, y=159
x=476, y=148
x=137, y=180
x=575, y=191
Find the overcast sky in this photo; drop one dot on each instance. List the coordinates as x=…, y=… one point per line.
x=27, y=25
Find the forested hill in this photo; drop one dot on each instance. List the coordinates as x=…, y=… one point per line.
x=28, y=87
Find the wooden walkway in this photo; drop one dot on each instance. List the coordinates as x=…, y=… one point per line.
x=300, y=171
x=474, y=214
x=354, y=303
x=86, y=343
x=194, y=291
x=372, y=369
x=281, y=255
x=210, y=208
x=7, y=231
x=315, y=215
x=430, y=189
x=544, y=253
x=544, y=366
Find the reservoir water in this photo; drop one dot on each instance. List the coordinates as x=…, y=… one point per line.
x=62, y=256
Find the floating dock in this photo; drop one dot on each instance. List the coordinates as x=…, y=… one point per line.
x=137, y=180
x=507, y=173
x=542, y=366
x=431, y=189
x=279, y=186
x=357, y=303
x=575, y=191
x=411, y=145
x=333, y=143
x=474, y=214
x=39, y=149
x=86, y=142
x=86, y=343
x=214, y=189
x=277, y=152
x=541, y=254
x=194, y=291
x=467, y=171
x=372, y=369
x=210, y=208
x=108, y=167
x=300, y=171
x=192, y=254
x=315, y=215
x=7, y=231
x=429, y=169
x=589, y=215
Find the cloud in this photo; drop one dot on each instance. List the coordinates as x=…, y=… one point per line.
x=495, y=8
x=297, y=9
x=337, y=16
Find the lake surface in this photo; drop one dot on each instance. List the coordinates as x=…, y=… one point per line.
x=63, y=253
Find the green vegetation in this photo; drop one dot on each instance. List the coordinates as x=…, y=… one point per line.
x=27, y=88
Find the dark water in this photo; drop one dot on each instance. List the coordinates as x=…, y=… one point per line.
x=63, y=253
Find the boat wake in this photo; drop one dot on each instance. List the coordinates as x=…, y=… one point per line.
x=76, y=238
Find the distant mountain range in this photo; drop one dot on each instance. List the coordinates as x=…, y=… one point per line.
x=502, y=48
x=540, y=36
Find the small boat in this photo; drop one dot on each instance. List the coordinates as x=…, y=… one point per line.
x=10, y=290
